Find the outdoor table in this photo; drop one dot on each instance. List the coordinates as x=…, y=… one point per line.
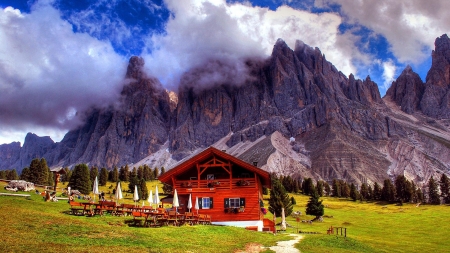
x=87, y=207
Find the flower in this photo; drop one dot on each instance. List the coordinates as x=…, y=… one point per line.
x=264, y=210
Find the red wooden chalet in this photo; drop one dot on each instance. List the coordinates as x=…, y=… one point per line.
x=228, y=189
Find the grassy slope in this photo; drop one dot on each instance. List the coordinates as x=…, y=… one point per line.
x=375, y=227
x=34, y=225
x=371, y=227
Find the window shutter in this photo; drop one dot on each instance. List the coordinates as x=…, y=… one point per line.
x=211, y=202
x=200, y=201
x=242, y=202
x=226, y=202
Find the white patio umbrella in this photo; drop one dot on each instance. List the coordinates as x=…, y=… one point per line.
x=135, y=195
x=150, y=198
x=175, y=202
x=156, y=198
x=95, y=187
x=196, y=204
x=189, y=204
x=68, y=191
x=118, y=193
x=283, y=220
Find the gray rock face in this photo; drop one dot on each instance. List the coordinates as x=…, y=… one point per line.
x=436, y=99
x=341, y=126
x=407, y=91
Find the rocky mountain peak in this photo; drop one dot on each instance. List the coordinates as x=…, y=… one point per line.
x=407, y=91
x=135, y=66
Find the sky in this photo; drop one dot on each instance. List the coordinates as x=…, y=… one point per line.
x=58, y=58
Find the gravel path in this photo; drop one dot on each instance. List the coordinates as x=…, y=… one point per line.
x=287, y=246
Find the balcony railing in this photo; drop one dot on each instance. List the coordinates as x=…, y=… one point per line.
x=217, y=183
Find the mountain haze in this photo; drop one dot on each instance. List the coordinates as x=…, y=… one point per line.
x=295, y=114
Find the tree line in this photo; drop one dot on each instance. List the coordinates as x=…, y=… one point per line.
x=400, y=190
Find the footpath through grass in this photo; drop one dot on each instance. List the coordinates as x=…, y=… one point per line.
x=375, y=227
x=33, y=225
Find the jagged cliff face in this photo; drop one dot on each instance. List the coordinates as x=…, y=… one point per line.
x=296, y=114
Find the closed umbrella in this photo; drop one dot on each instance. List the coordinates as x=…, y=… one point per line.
x=68, y=191
x=175, y=203
x=118, y=193
x=95, y=188
x=283, y=220
x=196, y=204
x=150, y=198
x=156, y=198
x=189, y=205
x=135, y=195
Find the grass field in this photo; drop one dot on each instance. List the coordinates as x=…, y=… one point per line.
x=34, y=225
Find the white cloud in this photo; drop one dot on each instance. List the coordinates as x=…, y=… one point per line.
x=409, y=26
x=389, y=69
x=47, y=71
x=201, y=31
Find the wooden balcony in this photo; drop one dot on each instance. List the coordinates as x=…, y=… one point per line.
x=216, y=184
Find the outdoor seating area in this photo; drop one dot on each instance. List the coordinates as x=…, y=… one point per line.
x=143, y=216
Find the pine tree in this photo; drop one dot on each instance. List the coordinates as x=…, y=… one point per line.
x=143, y=191
x=345, y=189
x=376, y=191
x=156, y=172
x=133, y=172
x=296, y=187
x=39, y=171
x=403, y=189
x=2, y=174
x=103, y=178
x=124, y=174
x=93, y=173
x=133, y=181
x=279, y=199
x=293, y=200
x=163, y=170
x=26, y=174
x=370, y=193
x=51, y=180
x=319, y=188
x=140, y=172
x=445, y=188
x=147, y=173
x=12, y=175
x=327, y=189
x=364, y=191
x=80, y=179
x=388, y=191
x=308, y=186
x=433, y=195
x=354, y=194
x=66, y=176
x=115, y=175
x=336, y=189
x=315, y=206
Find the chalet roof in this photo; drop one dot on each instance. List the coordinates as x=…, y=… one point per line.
x=58, y=170
x=186, y=164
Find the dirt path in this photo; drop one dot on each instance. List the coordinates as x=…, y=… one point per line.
x=287, y=246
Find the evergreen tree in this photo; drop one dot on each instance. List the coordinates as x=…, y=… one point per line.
x=364, y=191
x=403, y=189
x=354, y=194
x=2, y=174
x=445, y=188
x=143, y=191
x=92, y=174
x=345, y=189
x=66, y=177
x=370, y=193
x=147, y=173
x=314, y=206
x=293, y=200
x=133, y=172
x=336, y=189
x=51, y=180
x=279, y=199
x=308, y=186
x=103, y=178
x=163, y=170
x=327, y=189
x=80, y=179
x=39, y=172
x=133, y=181
x=388, y=191
x=140, y=172
x=319, y=188
x=433, y=195
x=26, y=175
x=124, y=174
x=156, y=172
x=376, y=191
x=12, y=175
x=296, y=186
x=420, y=197
x=115, y=175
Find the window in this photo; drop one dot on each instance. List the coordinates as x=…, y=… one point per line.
x=234, y=202
x=205, y=203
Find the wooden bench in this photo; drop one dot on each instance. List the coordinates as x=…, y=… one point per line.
x=105, y=206
x=77, y=208
x=138, y=218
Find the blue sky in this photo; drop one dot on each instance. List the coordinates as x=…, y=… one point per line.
x=58, y=58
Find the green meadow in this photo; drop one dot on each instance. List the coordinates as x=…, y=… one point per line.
x=31, y=224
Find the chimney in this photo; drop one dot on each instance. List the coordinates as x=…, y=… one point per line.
x=255, y=164
x=223, y=150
